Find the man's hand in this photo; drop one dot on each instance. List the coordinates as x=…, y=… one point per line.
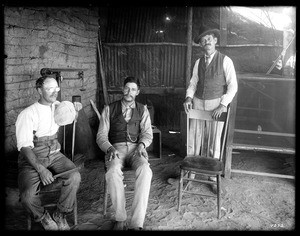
x=187, y=105
x=112, y=153
x=218, y=111
x=46, y=176
x=141, y=151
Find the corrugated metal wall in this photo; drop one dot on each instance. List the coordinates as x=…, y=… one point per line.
x=143, y=24
x=157, y=65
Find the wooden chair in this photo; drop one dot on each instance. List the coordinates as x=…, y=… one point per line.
x=47, y=194
x=54, y=189
x=203, y=164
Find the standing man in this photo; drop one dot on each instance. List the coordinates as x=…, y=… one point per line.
x=212, y=87
x=40, y=157
x=124, y=134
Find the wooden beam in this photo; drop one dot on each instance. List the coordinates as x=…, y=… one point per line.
x=267, y=78
x=189, y=46
x=264, y=133
x=262, y=174
x=144, y=44
x=250, y=147
x=223, y=26
x=184, y=45
x=101, y=67
x=152, y=90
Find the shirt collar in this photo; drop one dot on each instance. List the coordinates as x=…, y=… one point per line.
x=124, y=105
x=211, y=55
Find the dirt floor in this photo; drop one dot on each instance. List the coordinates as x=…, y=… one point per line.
x=248, y=202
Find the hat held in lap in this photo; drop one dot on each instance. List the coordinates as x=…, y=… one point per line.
x=64, y=113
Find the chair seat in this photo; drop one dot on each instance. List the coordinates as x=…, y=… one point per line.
x=202, y=164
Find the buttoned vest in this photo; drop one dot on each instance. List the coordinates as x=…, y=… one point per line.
x=212, y=83
x=120, y=130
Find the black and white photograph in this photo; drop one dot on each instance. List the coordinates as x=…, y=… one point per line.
x=120, y=117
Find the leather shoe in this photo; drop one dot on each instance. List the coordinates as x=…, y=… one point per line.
x=214, y=189
x=119, y=225
x=135, y=229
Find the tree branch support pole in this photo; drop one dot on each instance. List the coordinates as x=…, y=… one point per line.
x=101, y=67
x=189, y=46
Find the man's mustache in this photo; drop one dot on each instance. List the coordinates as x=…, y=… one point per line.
x=125, y=95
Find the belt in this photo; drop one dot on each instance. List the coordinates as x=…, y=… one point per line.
x=44, y=138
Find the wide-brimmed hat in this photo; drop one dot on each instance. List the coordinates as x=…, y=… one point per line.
x=64, y=113
x=205, y=31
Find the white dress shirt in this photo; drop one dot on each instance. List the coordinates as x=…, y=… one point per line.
x=36, y=117
x=230, y=77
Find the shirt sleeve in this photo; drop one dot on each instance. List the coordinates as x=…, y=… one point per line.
x=103, y=129
x=193, y=82
x=24, y=129
x=231, y=81
x=146, y=135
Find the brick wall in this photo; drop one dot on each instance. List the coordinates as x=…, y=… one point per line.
x=37, y=37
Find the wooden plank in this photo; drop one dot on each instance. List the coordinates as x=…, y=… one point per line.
x=263, y=148
x=95, y=109
x=262, y=174
x=264, y=132
x=152, y=90
x=263, y=77
x=101, y=67
x=205, y=115
x=144, y=44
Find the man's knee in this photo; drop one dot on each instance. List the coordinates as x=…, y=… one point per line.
x=145, y=170
x=75, y=178
x=27, y=196
x=113, y=173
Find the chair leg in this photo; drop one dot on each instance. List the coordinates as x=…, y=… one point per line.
x=219, y=195
x=75, y=212
x=28, y=222
x=180, y=189
x=105, y=198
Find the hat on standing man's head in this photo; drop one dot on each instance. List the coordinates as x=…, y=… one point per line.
x=206, y=31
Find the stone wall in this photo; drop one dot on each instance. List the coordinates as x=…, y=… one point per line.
x=39, y=37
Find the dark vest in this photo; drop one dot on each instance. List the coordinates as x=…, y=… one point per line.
x=120, y=130
x=212, y=83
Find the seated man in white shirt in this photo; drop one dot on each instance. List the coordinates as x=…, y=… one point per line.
x=124, y=133
x=40, y=157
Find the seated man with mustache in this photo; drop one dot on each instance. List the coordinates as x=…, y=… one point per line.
x=124, y=133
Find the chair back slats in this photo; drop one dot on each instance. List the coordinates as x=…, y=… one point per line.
x=214, y=131
x=205, y=115
x=209, y=129
x=202, y=137
x=207, y=137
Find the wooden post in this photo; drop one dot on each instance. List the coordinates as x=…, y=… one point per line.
x=101, y=64
x=223, y=26
x=189, y=46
